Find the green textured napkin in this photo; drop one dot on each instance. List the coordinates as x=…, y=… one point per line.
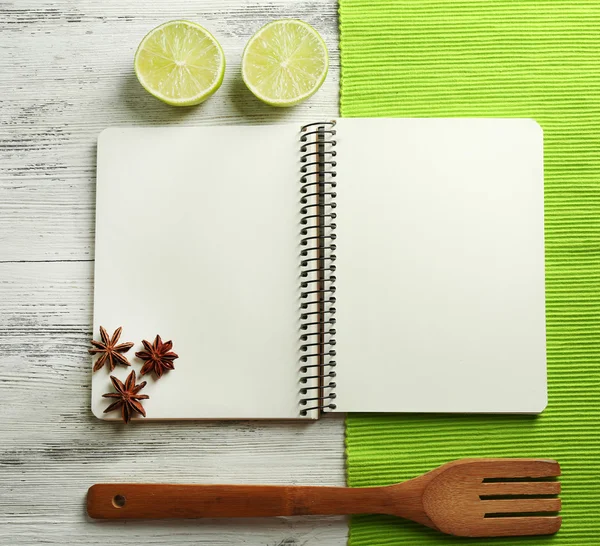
x=502, y=59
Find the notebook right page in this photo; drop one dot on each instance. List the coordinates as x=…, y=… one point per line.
x=440, y=266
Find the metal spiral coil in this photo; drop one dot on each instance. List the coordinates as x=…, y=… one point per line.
x=317, y=246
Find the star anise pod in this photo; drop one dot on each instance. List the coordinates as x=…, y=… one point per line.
x=158, y=357
x=128, y=399
x=109, y=350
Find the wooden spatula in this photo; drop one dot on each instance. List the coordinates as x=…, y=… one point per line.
x=468, y=497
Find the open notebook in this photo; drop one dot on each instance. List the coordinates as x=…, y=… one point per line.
x=366, y=265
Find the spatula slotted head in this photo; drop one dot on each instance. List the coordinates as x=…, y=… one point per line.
x=495, y=497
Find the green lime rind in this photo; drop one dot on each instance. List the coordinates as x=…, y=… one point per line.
x=184, y=99
x=292, y=100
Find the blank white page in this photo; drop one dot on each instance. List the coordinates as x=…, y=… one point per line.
x=197, y=240
x=440, y=266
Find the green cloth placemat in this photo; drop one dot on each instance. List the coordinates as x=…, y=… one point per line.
x=538, y=59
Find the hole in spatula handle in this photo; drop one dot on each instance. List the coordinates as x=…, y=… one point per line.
x=119, y=501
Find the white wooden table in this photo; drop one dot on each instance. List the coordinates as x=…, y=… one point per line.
x=66, y=68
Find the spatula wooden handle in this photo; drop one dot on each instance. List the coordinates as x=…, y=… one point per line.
x=152, y=501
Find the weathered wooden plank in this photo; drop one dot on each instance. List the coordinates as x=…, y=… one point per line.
x=284, y=532
x=70, y=67
x=67, y=75
x=52, y=447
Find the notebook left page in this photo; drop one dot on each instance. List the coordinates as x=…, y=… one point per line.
x=197, y=241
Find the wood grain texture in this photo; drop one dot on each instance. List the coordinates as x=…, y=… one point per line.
x=177, y=501
x=67, y=69
x=449, y=499
x=70, y=67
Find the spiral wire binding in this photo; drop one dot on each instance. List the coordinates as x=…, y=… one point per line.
x=317, y=266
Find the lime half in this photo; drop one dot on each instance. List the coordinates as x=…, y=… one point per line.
x=180, y=63
x=285, y=62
